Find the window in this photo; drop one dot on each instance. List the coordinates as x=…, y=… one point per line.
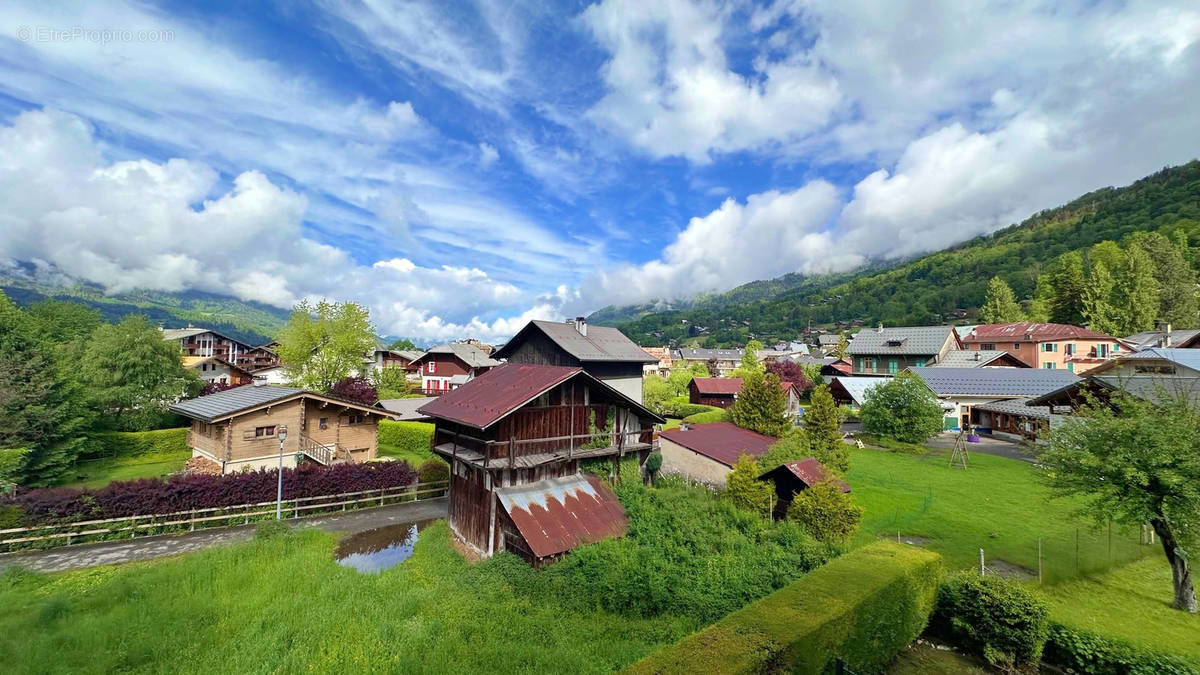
x=1102, y=350
x=356, y=419
x=433, y=366
x=1069, y=349
x=1050, y=366
x=987, y=346
x=264, y=432
x=893, y=366
x=1016, y=345
x=1049, y=346
x=1071, y=367
x=323, y=423
x=1116, y=347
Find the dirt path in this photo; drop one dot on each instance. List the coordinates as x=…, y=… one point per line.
x=110, y=552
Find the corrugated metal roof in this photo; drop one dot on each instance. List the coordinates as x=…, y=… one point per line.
x=230, y=401
x=972, y=358
x=601, y=343
x=718, y=386
x=1016, y=406
x=810, y=471
x=559, y=514
x=858, y=387
x=720, y=441
x=993, y=381
x=914, y=340
x=1037, y=332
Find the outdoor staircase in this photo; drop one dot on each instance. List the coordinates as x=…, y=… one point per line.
x=325, y=454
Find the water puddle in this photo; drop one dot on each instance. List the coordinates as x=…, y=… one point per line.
x=376, y=550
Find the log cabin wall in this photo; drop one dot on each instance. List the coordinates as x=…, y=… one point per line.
x=540, y=350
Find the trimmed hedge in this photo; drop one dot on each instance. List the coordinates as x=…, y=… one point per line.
x=717, y=415
x=134, y=443
x=1083, y=651
x=992, y=617
x=864, y=607
x=411, y=437
x=677, y=408
x=122, y=499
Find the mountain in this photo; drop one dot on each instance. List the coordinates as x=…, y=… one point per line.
x=250, y=322
x=943, y=287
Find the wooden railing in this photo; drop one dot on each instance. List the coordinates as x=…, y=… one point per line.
x=573, y=444
x=319, y=452
x=63, y=534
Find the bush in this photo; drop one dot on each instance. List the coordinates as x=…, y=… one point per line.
x=992, y=617
x=902, y=408
x=411, y=437
x=745, y=491
x=433, y=470
x=190, y=491
x=825, y=512
x=271, y=529
x=1083, y=651
x=864, y=607
x=708, y=417
x=135, y=443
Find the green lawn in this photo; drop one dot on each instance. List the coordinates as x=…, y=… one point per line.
x=922, y=658
x=413, y=457
x=672, y=423
x=997, y=504
x=100, y=472
x=1132, y=603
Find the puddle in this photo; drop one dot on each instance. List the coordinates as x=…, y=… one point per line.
x=376, y=550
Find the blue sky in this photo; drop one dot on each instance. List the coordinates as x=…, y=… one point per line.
x=463, y=167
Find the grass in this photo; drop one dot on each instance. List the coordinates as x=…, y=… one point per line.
x=1132, y=603
x=100, y=472
x=672, y=423
x=922, y=658
x=413, y=457
x=997, y=504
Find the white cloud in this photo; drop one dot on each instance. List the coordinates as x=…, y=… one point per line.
x=487, y=155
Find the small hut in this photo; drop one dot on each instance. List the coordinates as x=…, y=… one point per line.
x=791, y=478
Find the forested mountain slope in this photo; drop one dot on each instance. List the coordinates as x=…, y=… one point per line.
x=936, y=288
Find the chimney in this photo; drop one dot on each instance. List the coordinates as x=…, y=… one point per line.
x=581, y=325
x=1167, y=335
x=880, y=329
x=976, y=355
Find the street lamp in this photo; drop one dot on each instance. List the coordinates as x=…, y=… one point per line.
x=282, y=434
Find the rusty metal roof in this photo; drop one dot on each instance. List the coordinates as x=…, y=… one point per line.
x=810, y=472
x=1034, y=332
x=495, y=394
x=720, y=441
x=559, y=514
x=721, y=386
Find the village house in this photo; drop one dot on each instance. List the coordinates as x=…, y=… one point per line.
x=1051, y=346
x=707, y=452
x=831, y=366
x=662, y=364
x=724, y=360
x=828, y=342
x=960, y=389
x=237, y=429
x=449, y=366
x=271, y=375
x=604, y=353
x=215, y=369
x=721, y=392
x=205, y=342
x=383, y=357
x=515, y=437
x=793, y=478
x=888, y=351
x=1164, y=336
x=851, y=392
x=1150, y=374
x=1014, y=419
x=979, y=358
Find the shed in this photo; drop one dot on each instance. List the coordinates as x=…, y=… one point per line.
x=543, y=520
x=793, y=477
x=707, y=452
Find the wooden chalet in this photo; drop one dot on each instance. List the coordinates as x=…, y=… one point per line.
x=514, y=437
x=449, y=366
x=215, y=369
x=793, y=477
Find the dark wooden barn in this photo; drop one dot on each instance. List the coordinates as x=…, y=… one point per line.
x=514, y=438
x=791, y=478
x=715, y=391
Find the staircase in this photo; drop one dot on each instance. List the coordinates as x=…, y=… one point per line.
x=323, y=453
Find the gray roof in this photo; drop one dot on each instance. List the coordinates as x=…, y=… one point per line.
x=829, y=340
x=1188, y=358
x=180, y=333
x=601, y=343
x=994, y=381
x=1151, y=338
x=1155, y=388
x=706, y=354
x=918, y=340
x=470, y=354
x=858, y=387
x=817, y=360
x=230, y=401
x=405, y=409
x=1016, y=406
x=410, y=354
x=968, y=358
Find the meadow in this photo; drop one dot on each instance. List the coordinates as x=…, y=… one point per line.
x=97, y=473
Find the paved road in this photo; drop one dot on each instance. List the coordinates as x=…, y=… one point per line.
x=987, y=445
x=107, y=553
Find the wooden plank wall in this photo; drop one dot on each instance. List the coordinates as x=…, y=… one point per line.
x=470, y=506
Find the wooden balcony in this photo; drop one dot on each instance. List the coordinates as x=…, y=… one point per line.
x=533, y=452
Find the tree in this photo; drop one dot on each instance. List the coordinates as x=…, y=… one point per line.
x=403, y=344
x=713, y=366
x=790, y=371
x=902, y=408
x=750, y=356
x=823, y=424
x=812, y=373
x=656, y=391
x=1001, y=305
x=1043, y=300
x=653, y=465
x=840, y=350
x=1137, y=290
x=133, y=374
x=390, y=382
x=825, y=512
x=61, y=322
x=1175, y=277
x=745, y=491
x=761, y=406
x=325, y=342
x=1067, y=284
x=793, y=447
x=1137, y=463
x=357, y=389
x=1098, y=311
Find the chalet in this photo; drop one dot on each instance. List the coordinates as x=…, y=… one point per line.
x=979, y=358
x=1051, y=346
x=721, y=392
x=828, y=342
x=1164, y=336
x=604, y=353
x=707, y=452
x=237, y=429
x=1150, y=374
x=451, y=365
x=662, y=361
x=721, y=360
x=887, y=351
x=382, y=357
x=271, y=375
x=794, y=477
x=515, y=437
x=851, y=392
x=831, y=366
x=205, y=342
x=1014, y=419
x=216, y=369
x=960, y=389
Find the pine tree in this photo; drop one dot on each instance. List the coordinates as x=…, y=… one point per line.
x=823, y=425
x=750, y=357
x=745, y=490
x=1001, y=304
x=840, y=350
x=1098, y=310
x=1137, y=291
x=1175, y=277
x=762, y=405
x=1068, y=288
x=1043, y=299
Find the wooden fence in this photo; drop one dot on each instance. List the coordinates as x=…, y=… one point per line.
x=63, y=534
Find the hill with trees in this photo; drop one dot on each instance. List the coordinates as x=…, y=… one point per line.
x=1110, y=226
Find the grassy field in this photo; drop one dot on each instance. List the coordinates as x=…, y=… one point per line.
x=100, y=472
x=1133, y=603
x=997, y=505
x=413, y=457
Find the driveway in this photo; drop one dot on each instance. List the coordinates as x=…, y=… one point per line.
x=108, y=553
x=987, y=445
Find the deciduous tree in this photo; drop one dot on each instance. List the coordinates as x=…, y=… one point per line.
x=790, y=371
x=902, y=408
x=1137, y=290
x=1098, y=310
x=745, y=491
x=403, y=344
x=1000, y=306
x=357, y=389
x=325, y=342
x=793, y=447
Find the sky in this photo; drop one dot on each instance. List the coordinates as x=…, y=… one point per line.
x=461, y=168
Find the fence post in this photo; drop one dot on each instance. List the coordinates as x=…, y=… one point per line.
x=1077, y=551
x=381, y=496
x=981, y=568
x=192, y=521
x=1039, y=560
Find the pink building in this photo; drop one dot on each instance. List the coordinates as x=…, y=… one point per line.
x=1050, y=346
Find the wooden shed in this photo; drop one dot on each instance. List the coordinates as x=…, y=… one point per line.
x=793, y=477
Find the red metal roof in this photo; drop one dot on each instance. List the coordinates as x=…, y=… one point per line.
x=1037, y=332
x=559, y=514
x=809, y=471
x=720, y=441
x=718, y=385
x=488, y=398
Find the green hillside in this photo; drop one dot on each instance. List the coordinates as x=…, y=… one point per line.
x=937, y=288
x=250, y=322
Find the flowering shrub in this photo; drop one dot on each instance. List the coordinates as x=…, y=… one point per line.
x=183, y=492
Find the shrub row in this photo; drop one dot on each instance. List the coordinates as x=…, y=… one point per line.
x=1082, y=651
x=863, y=607
x=133, y=443
x=408, y=436
x=183, y=492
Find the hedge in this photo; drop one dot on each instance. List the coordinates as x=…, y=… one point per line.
x=1083, y=651
x=864, y=607
x=133, y=443
x=411, y=437
x=717, y=415
x=998, y=619
x=122, y=499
